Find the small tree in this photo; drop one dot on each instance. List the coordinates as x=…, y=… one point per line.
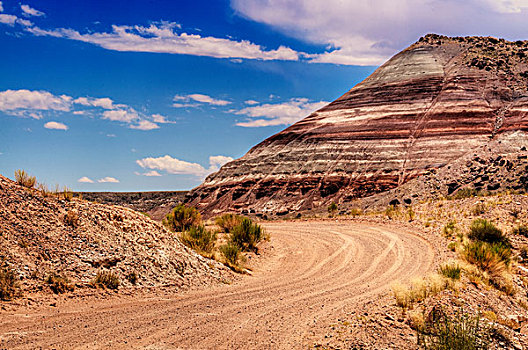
x=332, y=209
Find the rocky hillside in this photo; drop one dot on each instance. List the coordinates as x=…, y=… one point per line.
x=156, y=204
x=40, y=236
x=431, y=104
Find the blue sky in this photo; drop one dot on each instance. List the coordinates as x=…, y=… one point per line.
x=155, y=95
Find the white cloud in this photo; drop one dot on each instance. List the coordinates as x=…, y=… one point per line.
x=279, y=113
x=29, y=11
x=369, y=32
x=162, y=38
x=8, y=19
x=55, y=126
x=180, y=167
x=85, y=179
x=158, y=118
x=151, y=173
x=200, y=98
x=108, y=179
x=1, y=7
x=251, y=102
x=121, y=115
x=144, y=125
x=35, y=100
x=105, y=102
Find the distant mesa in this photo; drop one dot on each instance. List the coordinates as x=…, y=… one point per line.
x=426, y=107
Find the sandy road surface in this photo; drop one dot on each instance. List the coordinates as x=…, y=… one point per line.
x=312, y=272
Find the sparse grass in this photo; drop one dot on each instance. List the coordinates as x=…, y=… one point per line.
x=23, y=178
x=231, y=253
x=9, y=287
x=66, y=194
x=228, y=221
x=392, y=211
x=485, y=231
x=461, y=331
x=71, y=219
x=450, y=270
x=182, y=218
x=356, y=212
x=59, y=284
x=411, y=214
x=479, y=209
x=106, y=279
x=247, y=235
x=419, y=290
x=450, y=228
x=465, y=193
x=199, y=238
x=44, y=190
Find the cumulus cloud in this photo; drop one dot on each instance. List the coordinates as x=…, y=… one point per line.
x=197, y=99
x=11, y=100
x=29, y=11
x=279, y=113
x=251, y=102
x=105, y=102
x=368, y=32
x=121, y=115
x=55, y=126
x=151, y=173
x=108, y=179
x=180, y=167
x=1, y=6
x=144, y=125
x=85, y=179
x=162, y=38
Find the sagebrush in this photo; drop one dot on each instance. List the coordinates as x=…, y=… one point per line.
x=182, y=218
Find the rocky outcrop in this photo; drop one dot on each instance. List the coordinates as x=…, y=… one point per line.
x=44, y=235
x=426, y=107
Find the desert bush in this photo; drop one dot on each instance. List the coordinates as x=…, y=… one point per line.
x=411, y=214
x=478, y=209
x=228, y=221
x=59, y=284
x=450, y=228
x=67, y=194
x=132, y=277
x=106, y=279
x=521, y=230
x=44, y=190
x=485, y=231
x=451, y=270
x=71, y=218
x=461, y=331
x=356, y=211
x=492, y=257
x=466, y=193
x=9, y=287
x=247, y=235
x=199, y=238
x=419, y=290
x=332, y=209
x=231, y=253
x=181, y=218
x=23, y=178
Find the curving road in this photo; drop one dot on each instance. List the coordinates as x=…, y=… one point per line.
x=313, y=271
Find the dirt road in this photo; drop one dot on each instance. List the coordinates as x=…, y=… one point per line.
x=313, y=271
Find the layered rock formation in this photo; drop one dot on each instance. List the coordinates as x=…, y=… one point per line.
x=426, y=107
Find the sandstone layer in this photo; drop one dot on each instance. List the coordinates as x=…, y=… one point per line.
x=427, y=106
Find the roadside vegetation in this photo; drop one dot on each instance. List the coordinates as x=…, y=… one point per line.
x=9, y=287
x=226, y=240
x=106, y=279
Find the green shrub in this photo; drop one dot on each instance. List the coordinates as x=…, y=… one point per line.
x=461, y=331
x=356, y=211
x=450, y=271
x=9, y=287
x=106, y=279
x=231, y=253
x=228, y=221
x=199, y=238
x=247, y=235
x=521, y=230
x=392, y=211
x=466, y=193
x=23, y=178
x=485, y=231
x=332, y=209
x=182, y=218
x=492, y=257
x=59, y=284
